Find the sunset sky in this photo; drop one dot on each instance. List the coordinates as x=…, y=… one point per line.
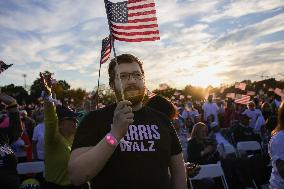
x=203, y=42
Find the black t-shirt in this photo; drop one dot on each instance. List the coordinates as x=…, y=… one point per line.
x=144, y=161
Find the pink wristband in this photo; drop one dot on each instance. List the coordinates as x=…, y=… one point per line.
x=111, y=140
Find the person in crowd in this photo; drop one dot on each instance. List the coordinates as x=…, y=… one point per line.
x=38, y=140
x=22, y=147
x=229, y=113
x=243, y=132
x=253, y=113
x=210, y=108
x=276, y=152
x=10, y=131
x=171, y=111
x=127, y=145
x=60, y=126
x=28, y=122
x=266, y=110
x=189, y=115
x=201, y=149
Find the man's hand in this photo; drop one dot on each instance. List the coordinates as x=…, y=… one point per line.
x=192, y=169
x=122, y=118
x=46, y=82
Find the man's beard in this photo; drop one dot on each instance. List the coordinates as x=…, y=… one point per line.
x=133, y=94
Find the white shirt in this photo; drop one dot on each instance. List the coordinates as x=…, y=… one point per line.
x=210, y=108
x=38, y=136
x=276, y=151
x=253, y=115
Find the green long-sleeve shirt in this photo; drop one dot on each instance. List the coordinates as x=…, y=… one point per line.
x=57, y=148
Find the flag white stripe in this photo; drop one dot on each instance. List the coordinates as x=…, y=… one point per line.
x=142, y=17
x=136, y=30
x=136, y=36
x=134, y=24
x=140, y=3
x=141, y=10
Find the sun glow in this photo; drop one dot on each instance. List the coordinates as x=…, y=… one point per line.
x=207, y=76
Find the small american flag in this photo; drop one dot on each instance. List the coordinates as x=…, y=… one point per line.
x=106, y=49
x=133, y=20
x=243, y=100
x=4, y=66
x=279, y=92
x=241, y=86
x=150, y=94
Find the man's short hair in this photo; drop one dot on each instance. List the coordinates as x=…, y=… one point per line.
x=123, y=58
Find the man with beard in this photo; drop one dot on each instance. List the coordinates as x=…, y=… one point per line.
x=127, y=145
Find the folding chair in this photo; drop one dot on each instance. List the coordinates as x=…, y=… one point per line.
x=248, y=146
x=30, y=167
x=211, y=171
x=230, y=149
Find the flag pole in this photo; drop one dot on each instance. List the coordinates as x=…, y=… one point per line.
x=114, y=53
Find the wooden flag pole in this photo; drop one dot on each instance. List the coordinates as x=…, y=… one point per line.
x=114, y=53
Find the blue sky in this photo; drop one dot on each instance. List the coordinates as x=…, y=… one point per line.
x=202, y=41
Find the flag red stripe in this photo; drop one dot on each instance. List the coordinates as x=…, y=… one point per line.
x=136, y=33
x=137, y=39
x=141, y=6
x=135, y=1
x=142, y=13
x=134, y=27
x=142, y=20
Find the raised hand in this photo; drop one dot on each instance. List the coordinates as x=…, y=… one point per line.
x=46, y=82
x=122, y=118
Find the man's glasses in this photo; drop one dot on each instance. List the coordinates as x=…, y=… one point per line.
x=126, y=76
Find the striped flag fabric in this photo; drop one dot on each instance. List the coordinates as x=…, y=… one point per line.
x=106, y=49
x=150, y=94
x=133, y=20
x=243, y=100
x=279, y=92
x=4, y=66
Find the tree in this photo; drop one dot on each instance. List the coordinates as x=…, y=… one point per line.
x=18, y=92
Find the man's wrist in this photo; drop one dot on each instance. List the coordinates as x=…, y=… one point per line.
x=111, y=139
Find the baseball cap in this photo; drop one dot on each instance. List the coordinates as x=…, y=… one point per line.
x=64, y=112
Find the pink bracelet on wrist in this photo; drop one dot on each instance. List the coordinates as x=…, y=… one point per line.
x=111, y=140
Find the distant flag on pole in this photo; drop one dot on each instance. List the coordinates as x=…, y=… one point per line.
x=133, y=20
x=106, y=49
x=243, y=100
x=4, y=66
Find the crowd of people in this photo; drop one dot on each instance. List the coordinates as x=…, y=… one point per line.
x=134, y=143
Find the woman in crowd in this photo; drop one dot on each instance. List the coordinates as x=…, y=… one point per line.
x=10, y=131
x=276, y=151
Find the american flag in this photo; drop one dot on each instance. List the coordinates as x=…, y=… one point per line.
x=106, y=49
x=279, y=92
x=243, y=100
x=241, y=86
x=133, y=20
x=4, y=66
x=150, y=94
